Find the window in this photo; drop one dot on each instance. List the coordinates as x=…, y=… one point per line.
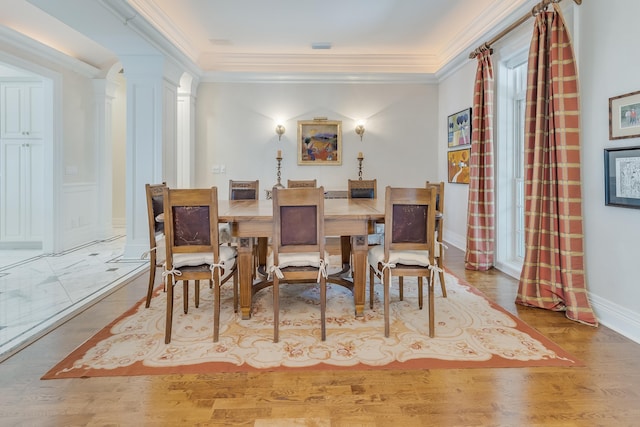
x=512, y=84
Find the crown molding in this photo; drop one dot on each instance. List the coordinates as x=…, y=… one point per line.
x=318, y=78
x=24, y=44
x=327, y=63
x=143, y=28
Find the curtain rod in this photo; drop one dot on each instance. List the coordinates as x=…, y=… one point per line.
x=536, y=9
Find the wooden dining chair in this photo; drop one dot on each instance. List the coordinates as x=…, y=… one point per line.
x=409, y=245
x=361, y=189
x=440, y=246
x=156, y=253
x=244, y=190
x=298, y=245
x=301, y=183
x=193, y=250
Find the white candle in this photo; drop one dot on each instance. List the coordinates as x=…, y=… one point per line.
x=360, y=156
x=279, y=153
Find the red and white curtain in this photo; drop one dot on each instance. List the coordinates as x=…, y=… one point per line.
x=480, y=219
x=553, y=274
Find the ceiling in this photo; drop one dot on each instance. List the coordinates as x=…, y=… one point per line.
x=275, y=36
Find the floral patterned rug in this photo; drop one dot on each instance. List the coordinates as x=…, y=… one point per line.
x=471, y=331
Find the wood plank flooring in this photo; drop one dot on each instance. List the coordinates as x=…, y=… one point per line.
x=604, y=393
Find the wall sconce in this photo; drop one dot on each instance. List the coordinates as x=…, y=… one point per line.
x=280, y=131
x=360, y=129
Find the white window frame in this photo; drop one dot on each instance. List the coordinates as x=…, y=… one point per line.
x=509, y=200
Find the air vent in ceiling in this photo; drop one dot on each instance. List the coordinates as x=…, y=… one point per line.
x=321, y=45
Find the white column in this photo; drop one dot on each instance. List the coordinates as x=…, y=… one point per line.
x=104, y=91
x=186, y=133
x=151, y=138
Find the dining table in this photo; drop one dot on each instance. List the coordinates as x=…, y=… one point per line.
x=251, y=221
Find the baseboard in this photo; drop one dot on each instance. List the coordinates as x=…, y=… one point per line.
x=20, y=245
x=620, y=319
x=457, y=240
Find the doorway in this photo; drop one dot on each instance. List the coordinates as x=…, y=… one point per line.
x=27, y=157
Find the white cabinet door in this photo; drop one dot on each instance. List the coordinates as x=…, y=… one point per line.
x=21, y=109
x=21, y=205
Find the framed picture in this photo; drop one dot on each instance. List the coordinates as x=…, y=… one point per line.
x=622, y=177
x=319, y=142
x=459, y=128
x=624, y=116
x=458, y=161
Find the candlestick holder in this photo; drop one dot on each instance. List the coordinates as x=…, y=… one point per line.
x=360, y=159
x=278, y=176
x=278, y=173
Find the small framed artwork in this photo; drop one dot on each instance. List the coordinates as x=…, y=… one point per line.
x=319, y=142
x=622, y=177
x=459, y=128
x=624, y=116
x=458, y=161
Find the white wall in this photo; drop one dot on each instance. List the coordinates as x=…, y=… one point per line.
x=70, y=139
x=235, y=127
x=455, y=94
x=606, y=68
x=609, y=66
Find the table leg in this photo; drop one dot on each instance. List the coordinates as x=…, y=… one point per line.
x=245, y=276
x=359, y=248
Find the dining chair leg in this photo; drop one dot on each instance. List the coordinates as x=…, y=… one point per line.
x=420, y=292
x=167, y=331
x=236, y=286
x=216, y=310
x=197, y=293
x=385, y=281
x=372, y=277
x=323, y=308
x=185, y=294
x=152, y=278
x=431, y=297
x=401, y=287
x=276, y=308
x=442, y=284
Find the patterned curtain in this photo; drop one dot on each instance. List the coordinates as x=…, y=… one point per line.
x=553, y=273
x=480, y=219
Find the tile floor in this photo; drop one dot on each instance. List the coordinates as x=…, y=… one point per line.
x=40, y=291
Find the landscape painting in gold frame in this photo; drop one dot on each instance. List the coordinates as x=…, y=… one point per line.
x=319, y=142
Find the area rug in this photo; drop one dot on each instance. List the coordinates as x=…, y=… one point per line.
x=471, y=332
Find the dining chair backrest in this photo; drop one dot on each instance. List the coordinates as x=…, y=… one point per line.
x=303, y=183
x=298, y=219
x=244, y=190
x=191, y=222
x=362, y=189
x=439, y=187
x=409, y=220
x=155, y=206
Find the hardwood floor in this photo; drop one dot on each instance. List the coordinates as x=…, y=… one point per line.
x=606, y=392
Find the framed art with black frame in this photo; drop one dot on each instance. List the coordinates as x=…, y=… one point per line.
x=622, y=177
